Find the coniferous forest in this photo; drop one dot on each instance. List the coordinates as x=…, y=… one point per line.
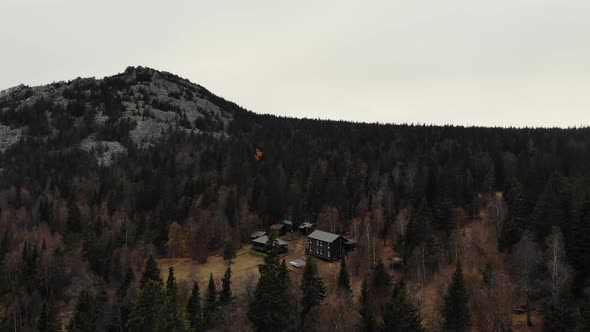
x=492, y=225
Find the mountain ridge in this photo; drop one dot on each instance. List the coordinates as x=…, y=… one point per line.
x=141, y=104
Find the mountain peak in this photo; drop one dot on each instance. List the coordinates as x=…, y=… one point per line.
x=137, y=107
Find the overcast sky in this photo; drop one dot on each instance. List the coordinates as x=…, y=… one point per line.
x=469, y=62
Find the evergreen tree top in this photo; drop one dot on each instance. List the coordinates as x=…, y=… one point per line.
x=380, y=277
x=193, y=309
x=343, y=277
x=400, y=314
x=48, y=319
x=171, y=287
x=456, y=303
x=151, y=272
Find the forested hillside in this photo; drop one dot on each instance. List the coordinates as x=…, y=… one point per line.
x=97, y=176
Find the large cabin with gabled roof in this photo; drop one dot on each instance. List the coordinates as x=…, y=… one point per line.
x=324, y=245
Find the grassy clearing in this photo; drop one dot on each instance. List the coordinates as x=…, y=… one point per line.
x=244, y=266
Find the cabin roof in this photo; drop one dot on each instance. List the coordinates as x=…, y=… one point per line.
x=351, y=241
x=323, y=236
x=306, y=225
x=298, y=263
x=264, y=240
x=258, y=234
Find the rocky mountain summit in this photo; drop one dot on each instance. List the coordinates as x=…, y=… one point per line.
x=134, y=109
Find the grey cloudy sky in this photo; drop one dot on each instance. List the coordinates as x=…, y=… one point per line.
x=471, y=62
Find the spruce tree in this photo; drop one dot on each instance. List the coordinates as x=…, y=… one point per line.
x=562, y=315
x=400, y=315
x=488, y=277
x=229, y=251
x=517, y=214
x=368, y=320
x=271, y=307
x=313, y=289
x=443, y=216
x=225, y=294
x=119, y=317
x=193, y=309
x=549, y=210
x=129, y=277
x=73, y=221
x=420, y=234
x=4, y=245
x=48, y=320
x=171, y=317
x=419, y=230
x=344, y=278
x=151, y=272
x=380, y=278
x=29, y=262
x=585, y=314
x=210, y=302
x=171, y=286
x=283, y=275
x=122, y=307
x=86, y=313
x=144, y=315
x=578, y=245
x=456, y=303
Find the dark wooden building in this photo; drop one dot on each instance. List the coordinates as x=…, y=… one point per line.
x=262, y=244
x=350, y=244
x=324, y=245
x=277, y=229
x=287, y=225
x=257, y=234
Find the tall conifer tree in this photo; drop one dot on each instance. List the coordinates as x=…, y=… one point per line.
x=144, y=315
x=400, y=315
x=193, y=308
x=171, y=317
x=271, y=309
x=344, y=278
x=368, y=319
x=456, y=303
x=225, y=294
x=86, y=314
x=48, y=320
x=210, y=301
x=313, y=290
x=151, y=272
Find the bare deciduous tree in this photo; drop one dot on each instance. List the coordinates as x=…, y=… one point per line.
x=559, y=272
x=337, y=314
x=177, y=244
x=497, y=212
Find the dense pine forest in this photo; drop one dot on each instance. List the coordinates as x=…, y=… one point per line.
x=101, y=179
